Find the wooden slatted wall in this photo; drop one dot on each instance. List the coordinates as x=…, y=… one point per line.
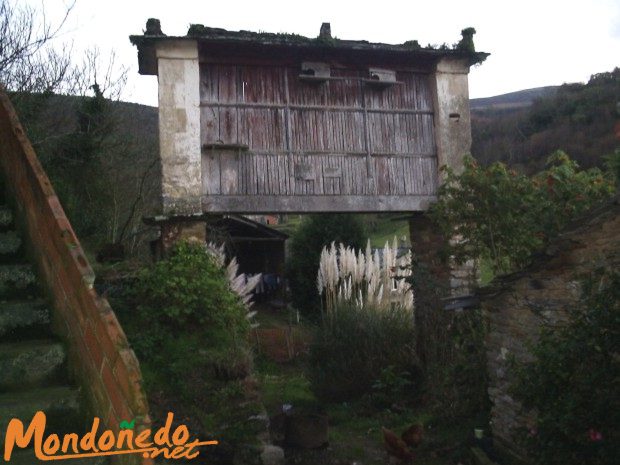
x=266, y=132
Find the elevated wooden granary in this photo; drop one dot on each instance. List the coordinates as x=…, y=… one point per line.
x=257, y=122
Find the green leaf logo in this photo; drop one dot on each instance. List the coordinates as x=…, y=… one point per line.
x=126, y=425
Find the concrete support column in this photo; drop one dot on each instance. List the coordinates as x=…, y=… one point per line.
x=179, y=127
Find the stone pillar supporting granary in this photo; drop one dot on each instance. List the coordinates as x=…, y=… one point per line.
x=452, y=125
x=279, y=123
x=179, y=127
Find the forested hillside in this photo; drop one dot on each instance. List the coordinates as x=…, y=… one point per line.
x=102, y=157
x=512, y=100
x=581, y=119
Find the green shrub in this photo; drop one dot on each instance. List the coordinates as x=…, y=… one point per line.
x=361, y=351
x=188, y=322
x=188, y=289
x=504, y=216
x=390, y=386
x=612, y=163
x=314, y=233
x=574, y=382
x=191, y=334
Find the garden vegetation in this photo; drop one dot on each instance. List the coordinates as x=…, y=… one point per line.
x=190, y=330
x=504, y=217
x=574, y=382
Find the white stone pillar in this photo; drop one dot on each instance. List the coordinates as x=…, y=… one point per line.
x=452, y=117
x=453, y=139
x=179, y=127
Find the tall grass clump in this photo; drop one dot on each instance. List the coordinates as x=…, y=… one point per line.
x=314, y=233
x=356, y=346
x=239, y=283
x=365, y=344
x=365, y=279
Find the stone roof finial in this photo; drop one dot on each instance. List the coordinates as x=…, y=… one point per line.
x=153, y=28
x=467, y=41
x=326, y=31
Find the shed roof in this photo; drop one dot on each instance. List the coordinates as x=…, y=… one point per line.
x=241, y=226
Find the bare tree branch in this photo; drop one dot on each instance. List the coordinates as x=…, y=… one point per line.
x=28, y=62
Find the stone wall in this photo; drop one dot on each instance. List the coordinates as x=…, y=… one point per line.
x=519, y=305
x=99, y=355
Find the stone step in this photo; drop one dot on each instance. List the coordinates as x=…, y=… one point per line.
x=27, y=457
x=30, y=363
x=20, y=317
x=10, y=245
x=61, y=405
x=480, y=457
x=17, y=280
x=6, y=218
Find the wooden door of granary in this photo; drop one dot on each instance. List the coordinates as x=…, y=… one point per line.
x=274, y=140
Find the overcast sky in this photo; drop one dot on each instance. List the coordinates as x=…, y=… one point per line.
x=532, y=42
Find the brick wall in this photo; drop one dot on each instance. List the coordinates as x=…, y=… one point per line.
x=519, y=305
x=99, y=356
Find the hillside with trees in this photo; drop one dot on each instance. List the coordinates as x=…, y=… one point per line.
x=102, y=156
x=582, y=120
x=100, y=153
x=512, y=100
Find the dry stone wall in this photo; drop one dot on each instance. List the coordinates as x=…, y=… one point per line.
x=518, y=306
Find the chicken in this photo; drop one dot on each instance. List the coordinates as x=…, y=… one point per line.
x=395, y=446
x=413, y=435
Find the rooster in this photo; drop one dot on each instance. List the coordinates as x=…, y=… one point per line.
x=396, y=447
x=413, y=435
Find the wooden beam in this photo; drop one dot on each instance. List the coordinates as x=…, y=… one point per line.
x=314, y=203
x=279, y=106
x=256, y=239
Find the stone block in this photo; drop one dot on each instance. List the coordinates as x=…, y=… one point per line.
x=272, y=455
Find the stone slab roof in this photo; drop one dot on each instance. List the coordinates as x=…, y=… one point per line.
x=464, y=49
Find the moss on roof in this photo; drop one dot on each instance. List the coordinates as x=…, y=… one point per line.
x=463, y=49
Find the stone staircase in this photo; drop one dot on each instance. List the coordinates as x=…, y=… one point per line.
x=33, y=374
x=33, y=360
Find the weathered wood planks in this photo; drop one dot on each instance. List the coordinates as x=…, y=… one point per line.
x=337, y=138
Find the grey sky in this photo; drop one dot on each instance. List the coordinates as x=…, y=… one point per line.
x=533, y=42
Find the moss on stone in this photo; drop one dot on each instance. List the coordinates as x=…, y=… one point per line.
x=467, y=41
x=10, y=242
x=412, y=44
